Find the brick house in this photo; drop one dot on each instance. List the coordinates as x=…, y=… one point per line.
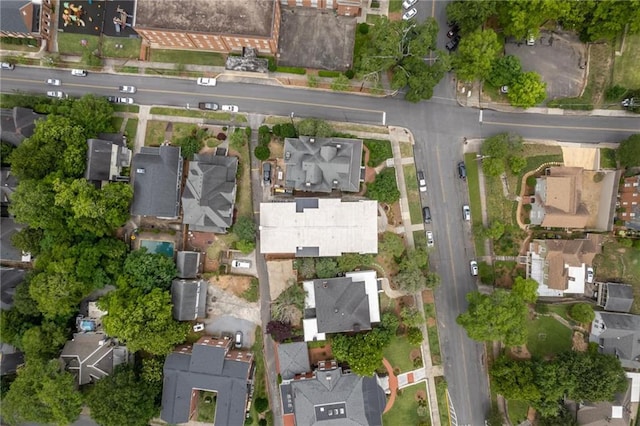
x=628, y=203
x=26, y=19
x=341, y=7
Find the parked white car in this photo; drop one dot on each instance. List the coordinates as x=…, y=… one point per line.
x=408, y=3
x=409, y=14
x=473, y=265
x=242, y=264
x=229, y=108
x=78, y=73
x=430, y=242
x=466, y=213
x=56, y=94
x=590, y=275
x=53, y=82
x=127, y=89
x=204, y=81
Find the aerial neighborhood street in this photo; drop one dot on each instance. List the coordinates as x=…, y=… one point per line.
x=351, y=212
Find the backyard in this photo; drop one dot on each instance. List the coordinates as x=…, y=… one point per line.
x=620, y=263
x=546, y=336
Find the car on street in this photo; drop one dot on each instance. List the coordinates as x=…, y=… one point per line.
x=430, y=241
x=589, y=275
x=78, y=73
x=466, y=213
x=212, y=106
x=453, y=43
x=7, y=65
x=422, y=182
x=204, y=81
x=229, y=108
x=120, y=100
x=408, y=3
x=56, y=94
x=127, y=89
x=426, y=214
x=453, y=30
x=238, y=340
x=53, y=82
x=473, y=266
x=462, y=170
x=242, y=264
x=409, y=14
x=266, y=172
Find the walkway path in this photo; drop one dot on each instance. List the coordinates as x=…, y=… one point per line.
x=393, y=385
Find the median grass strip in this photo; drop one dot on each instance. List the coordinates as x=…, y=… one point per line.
x=432, y=333
x=126, y=108
x=413, y=194
x=473, y=185
x=443, y=407
x=194, y=113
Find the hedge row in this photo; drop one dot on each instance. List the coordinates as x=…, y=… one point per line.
x=292, y=70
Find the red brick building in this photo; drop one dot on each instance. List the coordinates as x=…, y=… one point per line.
x=629, y=202
x=26, y=19
x=213, y=25
x=342, y=7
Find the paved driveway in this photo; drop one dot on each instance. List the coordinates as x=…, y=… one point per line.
x=557, y=57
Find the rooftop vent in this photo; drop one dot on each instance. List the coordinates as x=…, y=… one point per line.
x=287, y=155
x=338, y=146
x=307, y=184
x=312, y=140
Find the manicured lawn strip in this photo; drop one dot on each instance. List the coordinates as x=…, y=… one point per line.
x=179, y=112
x=620, y=263
x=244, y=202
x=608, y=158
x=379, y=151
x=419, y=239
x=130, y=47
x=473, y=185
x=498, y=207
x=182, y=129
x=187, y=57
x=131, y=128
x=128, y=70
x=18, y=47
x=432, y=333
x=72, y=43
x=546, y=336
x=404, y=410
x=395, y=6
x=406, y=150
x=443, y=406
x=517, y=411
x=626, y=72
x=116, y=122
x=413, y=194
x=397, y=353
x=126, y=108
x=206, y=410
x=260, y=377
x=155, y=132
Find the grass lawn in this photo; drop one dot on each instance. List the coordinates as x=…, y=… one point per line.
x=620, y=263
x=126, y=108
x=406, y=150
x=473, y=185
x=260, y=379
x=187, y=57
x=72, y=43
x=19, y=47
x=443, y=406
x=404, y=411
x=252, y=294
x=116, y=122
x=207, y=406
x=397, y=353
x=626, y=72
x=244, y=203
x=131, y=128
x=183, y=129
x=608, y=158
x=155, y=132
x=517, y=411
x=379, y=151
x=432, y=333
x=413, y=194
x=128, y=70
x=419, y=239
x=395, y=6
x=195, y=113
x=130, y=47
x=562, y=310
x=546, y=336
x=221, y=243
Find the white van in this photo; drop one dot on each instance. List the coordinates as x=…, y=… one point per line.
x=241, y=264
x=78, y=73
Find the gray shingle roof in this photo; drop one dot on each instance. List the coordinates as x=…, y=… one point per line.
x=105, y=159
x=323, y=165
x=617, y=297
x=361, y=397
x=618, y=334
x=157, y=178
x=341, y=305
x=293, y=358
x=89, y=360
x=189, y=299
x=18, y=123
x=210, y=193
x=188, y=263
x=9, y=278
x=11, y=18
x=205, y=368
x=8, y=227
x=8, y=185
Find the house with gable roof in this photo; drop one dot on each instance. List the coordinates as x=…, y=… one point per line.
x=17, y=124
x=618, y=334
x=615, y=297
x=209, y=195
x=106, y=159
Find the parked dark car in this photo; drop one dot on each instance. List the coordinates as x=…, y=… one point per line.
x=426, y=214
x=453, y=43
x=266, y=172
x=462, y=170
x=212, y=106
x=453, y=30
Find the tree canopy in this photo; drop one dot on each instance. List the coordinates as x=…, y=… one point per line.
x=476, y=54
x=470, y=14
x=527, y=90
x=384, y=188
x=504, y=70
x=526, y=289
x=148, y=271
x=629, y=151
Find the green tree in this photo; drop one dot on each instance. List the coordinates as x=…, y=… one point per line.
x=596, y=377
x=518, y=18
x=582, y=312
x=527, y=90
x=58, y=291
x=411, y=317
x=5, y=151
x=148, y=271
x=391, y=243
x=262, y=404
x=314, y=127
x=189, y=145
x=384, y=188
x=476, y=54
x=526, y=289
x=326, y=267
x=628, y=151
x=13, y=326
x=350, y=261
x=288, y=307
x=414, y=336
x=470, y=14
x=496, y=230
x=152, y=372
x=492, y=166
x=93, y=114
x=143, y=321
x=245, y=246
x=43, y=394
x=502, y=144
x=504, y=70
x=245, y=228
x=517, y=164
x=33, y=203
x=122, y=399
x=362, y=351
x=606, y=19
x=306, y=267
x=28, y=240
x=411, y=280
x=515, y=379
x=500, y=316
x=340, y=83
x=44, y=341
x=262, y=152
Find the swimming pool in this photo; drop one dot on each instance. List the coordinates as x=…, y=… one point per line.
x=162, y=247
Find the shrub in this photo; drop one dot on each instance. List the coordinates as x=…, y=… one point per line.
x=340, y=83
x=598, y=177
x=527, y=207
x=531, y=180
x=245, y=246
x=350, y=74
x=221, y=136
x=292, y=70
x=262, y=152
x=327, y=73
x=615, y=93
x=312, y=80
x=247, y=131
x=527, y=221
x=384, y=188
x=582, y=312
x=261, y=405
x=626, y=242
x=363, y=28
x=272, y=64
x=264, y=135
x=414, y=336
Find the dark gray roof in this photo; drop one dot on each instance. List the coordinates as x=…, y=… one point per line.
x=8, y=227
x=12, y=19
x=205, y=368
x=11, y=359
x=361, y=398
x=89, y=360
x=621, y=337
x=323, y=165
x=8, y=184
x=617, y=297
x=341, y=305
x=9, y=280
x=210, y=193
x=17, y=123
x=293, y=358
x=105, y=159
x=188, y=263
x=157, y=178
x=189, y=299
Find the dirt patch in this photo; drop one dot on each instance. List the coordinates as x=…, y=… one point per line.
x=531, y=415
x=394, y=214
x=427, y=296
x=232, y=283
x=281, y=276
x=578, y=342
x=415, y=354
x=520, y=352
x=320, y=354
x=420, y=395
x=431, y=322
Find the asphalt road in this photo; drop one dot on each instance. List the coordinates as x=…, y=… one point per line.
x=438, y=127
